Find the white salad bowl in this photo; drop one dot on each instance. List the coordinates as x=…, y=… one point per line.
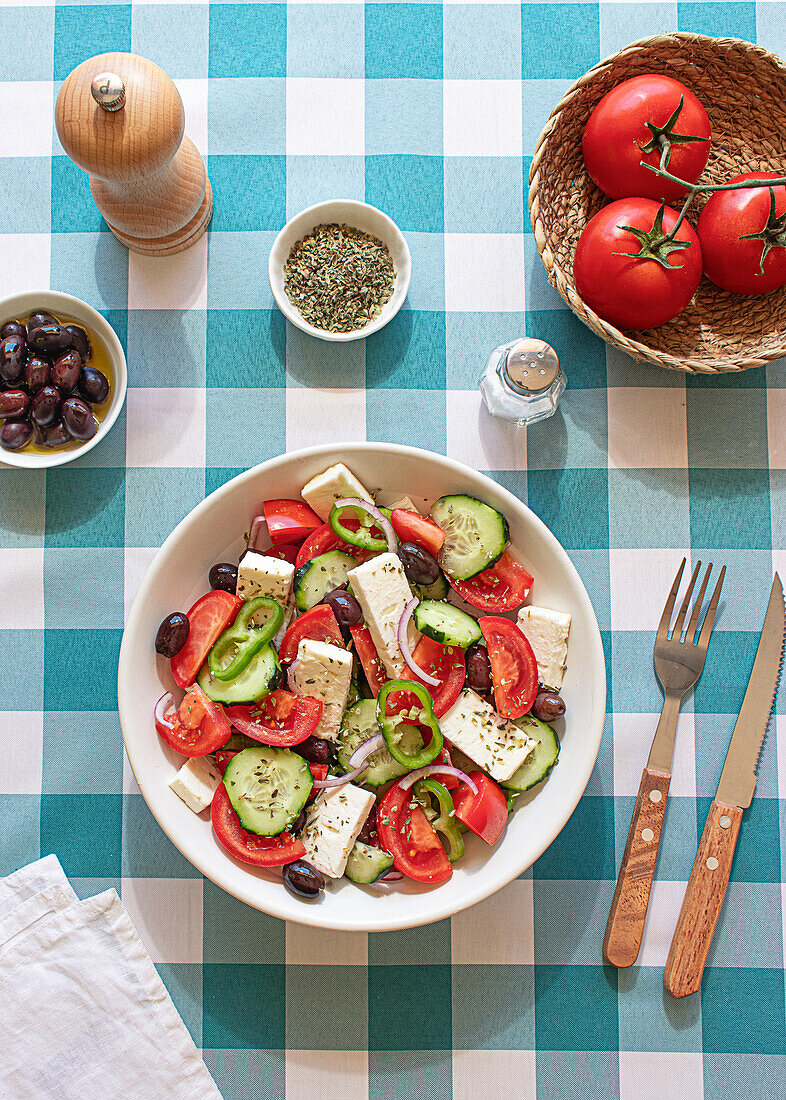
x=359, y=215
x=214, y=531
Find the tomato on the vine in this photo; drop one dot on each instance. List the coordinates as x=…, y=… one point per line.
x=627, y=281
x=743, y=236
x=630, y=125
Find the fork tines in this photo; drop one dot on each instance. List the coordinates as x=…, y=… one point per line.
x=693, y=622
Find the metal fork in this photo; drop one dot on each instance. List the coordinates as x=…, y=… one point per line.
x=678, y=665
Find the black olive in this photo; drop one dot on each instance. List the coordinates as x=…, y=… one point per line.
x=13, y=351
x=66, y=371
x=93, y=385
x=38, y=373
x=368, y=833
x=13, y=328
x=78, y=418
x=223, y=576
x=38, y=318
x=13, y=404
x=45, y=406
x=303, y=880
x=345, y=607
x=56, y=435
x=548, y=705
x=298, y=823
x=478, y=668
x=15, y=433
x=172, y=634
x=420, y=566
x=315, y=750
x=51, y=339
x=80, y=341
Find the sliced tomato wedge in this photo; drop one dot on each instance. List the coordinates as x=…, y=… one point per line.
x=405, y=832
x=197, y=727
x=514, y=670
x=319, y=624
x=449, y=782
x=448, y=664
x=280, y=719
x=261, y=851
x=209, y=617
x=412, y=527
x=319, y=771
x=288, y=552
x=223, y=756
x=289, y=521
x=325, y=538
x=368, y=656
x=503, y=587
x=484, y=813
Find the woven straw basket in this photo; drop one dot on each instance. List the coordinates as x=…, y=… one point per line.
x=743, y=89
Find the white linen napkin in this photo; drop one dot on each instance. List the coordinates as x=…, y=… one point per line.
x=84, y=1012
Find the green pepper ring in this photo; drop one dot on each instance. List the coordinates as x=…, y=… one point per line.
x=427, y=718
x=248, y=639
x=362, y=538
x=445, y=823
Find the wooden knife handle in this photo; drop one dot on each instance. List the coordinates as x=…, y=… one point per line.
x=625, y=927
x=703, y=900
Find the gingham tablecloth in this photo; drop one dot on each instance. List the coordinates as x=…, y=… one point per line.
x=431, y=113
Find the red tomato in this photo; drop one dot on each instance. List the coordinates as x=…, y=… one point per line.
x=199, y=725
x=324, y=539
x=624, y=290
x=368, y=657
x=209, y=617
x=289, y=521
x=484, y=813
x=502, y=587
x=447, y=663
x=280, y=719
x=286, y=553
x=617, y=130
x=405, y=832
x=412, y=527
x=514, y=670
x=319, y=624
x=223, y=756
x=262, y=851
x=449, y=782
x=319, y=771
x=731, y=262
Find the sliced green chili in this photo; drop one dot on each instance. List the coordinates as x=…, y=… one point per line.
x=246, y=640
x=427, y=791
x=362, y=537
x=390, y=724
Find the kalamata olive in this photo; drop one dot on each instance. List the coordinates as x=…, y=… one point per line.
x=223, y=575
x=303, y=880
x=420, y=566
x=38, y=373
x=315, y=750
x=13, y=328
x=66, y=371
x=345, y=607
x=78, y=418
x=93, y=385
x=13, y=403
x=478, y=668
x=51, y=339
x=81, y=341
x=55, y=435
x=548, y=705
x=12, y=358
x=298, y=823
x=15, y=433
x=38, y=318
x=172, y=634
x=45, y=406
x=367, y=833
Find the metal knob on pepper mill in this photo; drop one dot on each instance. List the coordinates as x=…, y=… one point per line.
x=121, y=119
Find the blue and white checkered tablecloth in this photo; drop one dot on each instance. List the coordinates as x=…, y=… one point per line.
x=431, y=112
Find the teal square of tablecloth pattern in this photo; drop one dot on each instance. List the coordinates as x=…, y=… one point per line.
x=166, y=347
x=246, y=348
x=649, y=508
x=675, y=1024
x=482, y=42
x=393, y=1075
x=82, y=30
x=85, y=830
x=249, y=192
x=744, y=1076
x=23, y=493
x=91, y=266
x=572, y=504
x=484, y=195
x=246, y=115
x=633, y=21
x=404, y=116
x=174, y=36
x=243, y=1006
x=157, y=499
x=409, y=353
x=419, y=1021
x=20, y=844
x=80, y=669
x=427, y=289
x=713, y=733
x=593, y=568
x=576, y=1008
x=336, y=30
x=326, y=1008
x=570, y=1075
x=147, y=850
x=559, y=40
x=411, y=945
x=404, y=40
x=757, y=857
x=23, y=692
x=735, y=19
x=538, y=98
x=414, y=418
x=322, y=363
x=28, y=34
x=184, y=985
x=726, y=670
x=469, y=340
x=218, y=476
x=238, y=1073
x=83, y=753
x=601, y=781
x=493, y=1007
x=540, y=293
x=576, y=437
x=410, y=189
x=237, y=271
x=584, y=850
x=570, y=920
x=234, y=932
x=750, y=926
x=312, y=179
x=757, y=1025
x=25, y=186
x=727, y=428
x=84, y=507
x=581, y=353
x=93, y=595
x=631, y=652
x=249, y=39
x=244, y=426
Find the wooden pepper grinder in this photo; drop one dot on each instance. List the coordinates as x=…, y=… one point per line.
x=121, y=119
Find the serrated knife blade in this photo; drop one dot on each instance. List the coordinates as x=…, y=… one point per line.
x=738, y=778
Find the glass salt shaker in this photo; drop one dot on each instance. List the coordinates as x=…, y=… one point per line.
x=523, y=381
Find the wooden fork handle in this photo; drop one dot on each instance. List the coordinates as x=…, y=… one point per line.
x=625, y=927
x=703, y=899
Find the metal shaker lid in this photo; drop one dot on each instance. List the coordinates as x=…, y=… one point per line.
x=531, y=365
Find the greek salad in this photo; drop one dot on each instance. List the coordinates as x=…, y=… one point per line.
x=364, y=687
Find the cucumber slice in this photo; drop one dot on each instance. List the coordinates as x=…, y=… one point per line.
x=439, y=590
x=314, y=579
x=267, y=788
x=542, y=758
x=366, y=863
x=475, y=535
x=446, y=624
x=261, y=676
x=360, y=723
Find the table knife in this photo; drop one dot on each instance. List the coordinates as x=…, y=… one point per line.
x=709, y=877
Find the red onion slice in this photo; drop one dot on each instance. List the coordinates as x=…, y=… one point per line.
x=392, y=876
x=291, y=676
x=437, y=769
x=382, y=522
x=338, y=780
x=161, y=708
x=362, y=752
x=403, y=644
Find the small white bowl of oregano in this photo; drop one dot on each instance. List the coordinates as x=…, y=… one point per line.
x=340, y=270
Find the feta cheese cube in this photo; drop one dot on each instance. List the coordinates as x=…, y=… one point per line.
x=196, y=782
x=495, y=744
x=323, y=672
x=333, y=823
x=260, y=575
x=392, y=500
x=337, y=482
x=547, y=632
x=382, y=590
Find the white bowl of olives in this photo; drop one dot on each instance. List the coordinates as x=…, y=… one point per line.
x=62, y=379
